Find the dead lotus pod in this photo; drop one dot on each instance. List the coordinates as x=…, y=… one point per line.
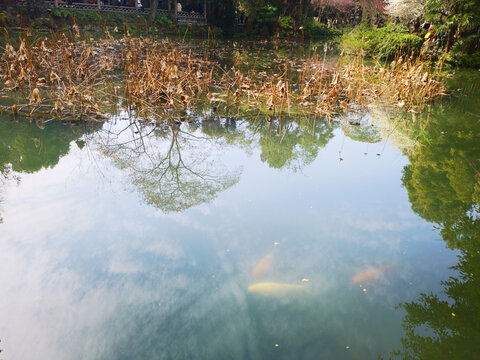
x=35, y=97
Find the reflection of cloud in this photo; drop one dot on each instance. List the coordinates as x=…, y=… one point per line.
x=42, y=306
x=379, y=225
x=121, y=264
x=185, y=219
x=165, y=248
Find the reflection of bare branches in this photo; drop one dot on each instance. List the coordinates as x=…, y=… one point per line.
x=6, y=176
x=173, y=169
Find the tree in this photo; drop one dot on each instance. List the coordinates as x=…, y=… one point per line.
x=153, y=9
x=405, y=10
x=461, y=20
x=364, y=9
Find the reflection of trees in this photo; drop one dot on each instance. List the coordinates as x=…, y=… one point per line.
x=28, y=147
x=443, y=179
x=443, y=183
x=292, y=144
x=175, y=166
x=5, y=177
x=454, y=321
x=173, y=170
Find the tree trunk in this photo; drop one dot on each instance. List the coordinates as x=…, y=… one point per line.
x=175, y=10
x=451, y=34
x=306, y=9
x=35, y=8
x=153, y=10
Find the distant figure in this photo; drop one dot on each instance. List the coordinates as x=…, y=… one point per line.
x=430, y=35
x=179, y=7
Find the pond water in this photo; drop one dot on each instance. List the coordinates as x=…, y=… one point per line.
x=239, y=238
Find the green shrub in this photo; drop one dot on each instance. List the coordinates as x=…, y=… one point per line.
x=3, y=18
x=399, y=44
x=317, y=30
x=163, y=21
x=384, y=43
x=265, y=19
x=42, y=23
x=466, y=51
x=284, y=25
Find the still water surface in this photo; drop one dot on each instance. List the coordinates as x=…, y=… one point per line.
x=242, y=239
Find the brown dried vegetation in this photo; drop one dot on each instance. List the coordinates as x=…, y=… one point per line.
x=73, y=78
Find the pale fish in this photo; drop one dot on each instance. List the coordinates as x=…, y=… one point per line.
x=370, y=275
x=276, y=289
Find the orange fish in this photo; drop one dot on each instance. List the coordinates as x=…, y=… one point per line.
x=263, y=265
x=370, y=275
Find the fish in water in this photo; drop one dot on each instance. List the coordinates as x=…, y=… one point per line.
x=263, y=265
x=276, y=289
x=371, y=274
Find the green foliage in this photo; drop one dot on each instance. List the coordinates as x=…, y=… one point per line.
x=265, y=20
x=466, y=52
x=461, y=20
x=285, y=26
x=384, y=43
x=42, y=23
x=317, y=30
x=81, y=16
x=92, y=20
x=163, y=21
x=3, y=18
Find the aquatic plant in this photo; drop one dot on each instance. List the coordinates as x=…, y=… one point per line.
x=71, y=77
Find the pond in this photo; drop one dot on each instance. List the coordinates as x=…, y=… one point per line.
x=230, y=237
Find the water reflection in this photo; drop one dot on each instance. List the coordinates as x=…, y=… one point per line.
x=168, y=277
x=293, y=145
x=178, y=165
x=443, y=183
x=27, y=147
x=172, y=169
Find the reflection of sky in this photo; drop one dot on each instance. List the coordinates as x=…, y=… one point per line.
x=90, y=272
